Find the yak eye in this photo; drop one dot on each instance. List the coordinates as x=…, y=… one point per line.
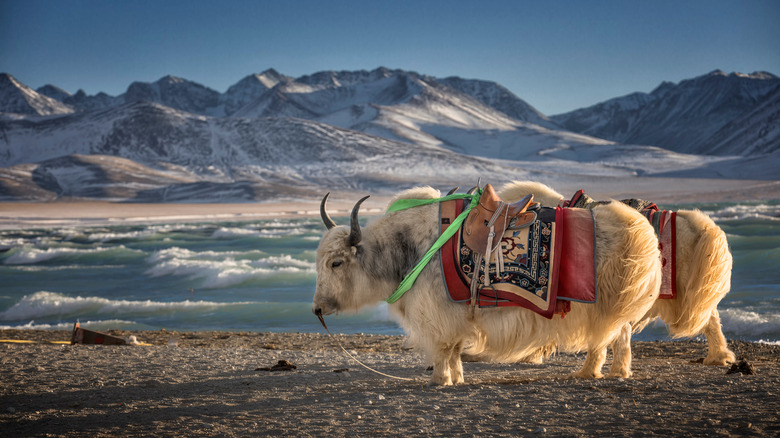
x=336, y=264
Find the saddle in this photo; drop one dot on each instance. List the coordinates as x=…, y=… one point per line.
x=541, y=265
x=491, y=217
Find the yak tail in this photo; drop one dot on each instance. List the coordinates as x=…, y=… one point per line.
x=709, y=277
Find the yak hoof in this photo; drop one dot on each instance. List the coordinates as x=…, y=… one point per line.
x=440, y=382
x=720, y=359
x=585, y=374
x=621, y=374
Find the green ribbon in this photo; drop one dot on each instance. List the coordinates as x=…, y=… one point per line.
x=403, y=204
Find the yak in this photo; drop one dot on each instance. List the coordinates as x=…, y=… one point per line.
x=358, y=267
x=703, y=278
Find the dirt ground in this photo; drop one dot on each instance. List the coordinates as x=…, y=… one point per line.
x=219, y=384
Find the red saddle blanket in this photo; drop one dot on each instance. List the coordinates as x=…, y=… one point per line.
x=665, y=225
x=544, y=265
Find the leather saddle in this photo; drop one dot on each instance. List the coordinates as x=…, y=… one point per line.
x=492, y=215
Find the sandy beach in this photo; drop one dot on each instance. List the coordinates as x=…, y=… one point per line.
x=84, y=213
x=217, y=384
x=18, y=215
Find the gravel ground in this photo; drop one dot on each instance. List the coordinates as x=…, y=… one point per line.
x=219, y=384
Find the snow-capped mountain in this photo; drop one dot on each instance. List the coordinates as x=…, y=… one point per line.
x=270, y=135
x=249, y=89
x=684, y=117
x=466, y=116
x=755, y=133
x=345, y=95
x=54, y=92
x=98, y=102
x=147, y=151
x=177, y=93
x=174, y=92
x=501, y=99
x=17, y=98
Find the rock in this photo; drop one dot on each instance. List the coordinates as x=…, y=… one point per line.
x=282, y=365
x=743, y=367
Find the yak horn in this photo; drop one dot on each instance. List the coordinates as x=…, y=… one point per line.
x=325, y=218
x=451, y=192
x=355, y=235
x=473, y=190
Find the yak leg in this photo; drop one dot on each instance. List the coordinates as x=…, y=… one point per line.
x=447, y=367
x=719, y=353
x=591, y=369
x=621, y=354
x=537, y=357
x=456, y=366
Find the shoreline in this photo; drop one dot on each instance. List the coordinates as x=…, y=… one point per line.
x=216, y=384
x=86, y=213
x=25, y=215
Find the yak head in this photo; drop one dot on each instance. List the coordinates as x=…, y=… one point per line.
x=341, y=282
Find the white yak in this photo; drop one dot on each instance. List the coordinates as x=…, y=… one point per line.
x=703, y=277
x=361, y=267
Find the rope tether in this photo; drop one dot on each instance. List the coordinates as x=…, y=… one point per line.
x=322, y=320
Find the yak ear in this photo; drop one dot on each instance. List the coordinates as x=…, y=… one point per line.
x=355, y=235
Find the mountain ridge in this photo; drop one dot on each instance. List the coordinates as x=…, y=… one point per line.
x=173, y=140
x=17, y=98
x=687, y=116
x=684, y=117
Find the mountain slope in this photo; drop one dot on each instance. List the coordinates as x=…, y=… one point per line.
x=757, y=132
x=249, y=89
x=174, y=92
x=681, y=117
x=54, y=92
x=147, y=151
x=499, y=98
x=17, y=98
x=98, y=102
x=376, y=130
x=417, y=109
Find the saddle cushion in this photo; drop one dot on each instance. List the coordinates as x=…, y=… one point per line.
x=665, y=225
x=545, y=263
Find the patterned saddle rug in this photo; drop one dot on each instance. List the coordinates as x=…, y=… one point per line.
x=665, y=225
x=542, y=266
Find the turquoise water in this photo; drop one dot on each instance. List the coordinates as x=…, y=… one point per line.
x=259, y=276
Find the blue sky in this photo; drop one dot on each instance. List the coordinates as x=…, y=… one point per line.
x=556, y=55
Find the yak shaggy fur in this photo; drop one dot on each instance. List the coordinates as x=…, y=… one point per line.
x=703, y=277
x=350, y=277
